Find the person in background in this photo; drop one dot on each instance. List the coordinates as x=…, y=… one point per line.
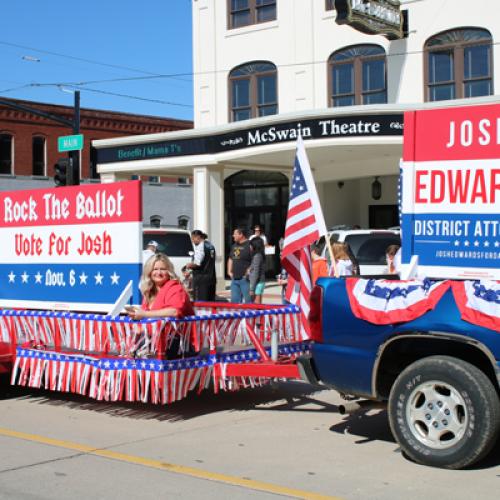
x=238, y=265
x=283, y=282
x=257, y=273
x=259, y=233
x=319, y=263
x=203, y=267
x=355, y=264
x=187, y=281
x=345, y=264
x=390, y=256
x=149, y=251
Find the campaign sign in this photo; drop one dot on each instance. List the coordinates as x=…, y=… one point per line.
x=451, y=191
x=72, y=248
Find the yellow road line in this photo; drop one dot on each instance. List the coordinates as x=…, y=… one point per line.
x=178, y=469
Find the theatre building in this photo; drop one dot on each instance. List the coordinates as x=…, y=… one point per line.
x=341, y=73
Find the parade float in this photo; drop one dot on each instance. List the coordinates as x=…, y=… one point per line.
x=71, y=259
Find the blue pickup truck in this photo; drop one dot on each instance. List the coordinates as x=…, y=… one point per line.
x=439, y=374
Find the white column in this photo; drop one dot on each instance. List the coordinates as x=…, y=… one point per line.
x=208, y=211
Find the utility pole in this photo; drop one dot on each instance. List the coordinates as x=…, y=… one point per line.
x=75, y=155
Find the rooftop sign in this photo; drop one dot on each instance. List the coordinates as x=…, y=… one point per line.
x=375, y=17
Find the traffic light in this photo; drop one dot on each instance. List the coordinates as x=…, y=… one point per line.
x=67, y=171
x=62, y=169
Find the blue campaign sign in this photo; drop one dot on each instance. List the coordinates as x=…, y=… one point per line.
x=74, y=248
x=451, y=192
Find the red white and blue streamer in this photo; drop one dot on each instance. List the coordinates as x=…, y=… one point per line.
x=384, y=302
x=118, y=359
x=479, y=302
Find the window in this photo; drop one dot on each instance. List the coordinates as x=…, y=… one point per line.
x=246, y=12
x=183, y=181
x=253, y=91
x=6, y=154
x=357, y=75
x=38, y=154
x=458, y=64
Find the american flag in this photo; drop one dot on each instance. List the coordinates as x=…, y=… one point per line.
x=304, y=225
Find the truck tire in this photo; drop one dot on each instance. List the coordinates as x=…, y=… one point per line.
x=444, y=412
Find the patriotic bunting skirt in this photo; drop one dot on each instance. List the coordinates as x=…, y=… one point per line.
x=384, y=302
x=479, y=302
x=116, y=359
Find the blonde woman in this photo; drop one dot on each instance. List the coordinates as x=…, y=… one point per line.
x=345, y=263
x=163, y=293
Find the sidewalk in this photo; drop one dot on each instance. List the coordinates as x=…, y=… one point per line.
x=272, y=292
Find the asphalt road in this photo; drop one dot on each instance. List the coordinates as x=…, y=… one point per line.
x=285, y=439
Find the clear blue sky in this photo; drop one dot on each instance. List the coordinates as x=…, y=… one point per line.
x=73, y=42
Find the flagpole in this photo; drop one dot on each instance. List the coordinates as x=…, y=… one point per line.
x=332, y=258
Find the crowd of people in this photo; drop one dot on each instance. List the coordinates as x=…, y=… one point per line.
x=167, y=295
x=246, y=268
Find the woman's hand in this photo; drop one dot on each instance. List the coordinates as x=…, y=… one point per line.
x=136, y=313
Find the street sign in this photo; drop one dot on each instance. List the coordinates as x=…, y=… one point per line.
x=70, y=143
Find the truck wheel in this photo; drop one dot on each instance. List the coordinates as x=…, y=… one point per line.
x=444, y=412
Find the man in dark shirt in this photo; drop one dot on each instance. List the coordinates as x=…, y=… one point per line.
x=238, y=265
x=203, y=267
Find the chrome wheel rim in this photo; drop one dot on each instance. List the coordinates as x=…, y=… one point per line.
x=437, y=415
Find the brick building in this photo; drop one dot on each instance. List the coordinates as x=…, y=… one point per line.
x=28, y=152
x=28, y=143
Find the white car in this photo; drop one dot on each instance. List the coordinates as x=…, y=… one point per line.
x=368, y=246
x=172, y=241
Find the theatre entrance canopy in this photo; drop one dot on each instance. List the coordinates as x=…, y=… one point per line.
x=364, y=141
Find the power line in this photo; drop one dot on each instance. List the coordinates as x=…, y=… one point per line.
x=157, y=101
x=97, y=91
x=82, y=59
x=213, y=72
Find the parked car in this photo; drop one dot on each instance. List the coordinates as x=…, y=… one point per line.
x=368, y=246
x=172, y=241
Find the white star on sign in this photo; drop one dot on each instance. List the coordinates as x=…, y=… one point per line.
x=114, y=278
x=25, y=277
x=476, y=243
x=38, y=277
x=457, y=243
x=12, y=277
x=486, y=243
x=98, y=278
x=83, y=278
x=466, y=243
x=497, y=244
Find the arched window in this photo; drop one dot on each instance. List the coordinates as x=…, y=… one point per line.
x=458, y=64
x=38, y=154
x=6, y=153
x=357, y=75
x=253, y=91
